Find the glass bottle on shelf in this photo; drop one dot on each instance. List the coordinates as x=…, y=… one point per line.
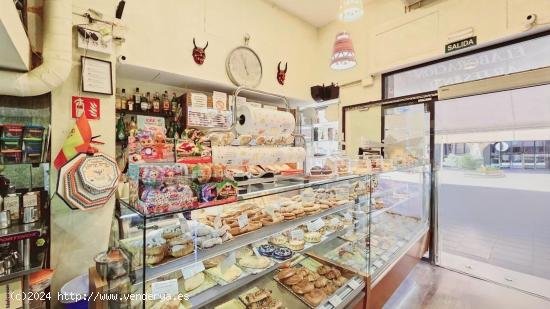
x=131, y=104
x=121, y=129
x=171, y=133
x=137, y=100
x=118, y=101
x=123, y=100
x=145, y=102
x=165, y=103
x=156, y=103
x=132, y=127
x=174, y=104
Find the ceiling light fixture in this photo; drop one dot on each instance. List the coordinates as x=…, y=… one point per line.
x=350, y=10
x=343, y=55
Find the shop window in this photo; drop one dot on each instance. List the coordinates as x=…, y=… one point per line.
x=512, y=58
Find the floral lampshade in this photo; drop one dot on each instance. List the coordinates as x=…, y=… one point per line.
x=350, y=10
x=343, y=55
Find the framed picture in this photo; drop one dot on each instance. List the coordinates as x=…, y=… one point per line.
x=96, y=75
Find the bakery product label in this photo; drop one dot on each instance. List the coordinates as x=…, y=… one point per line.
x=316, y=225
x=191, y=270
x=335, y=300
x=163, y=289
x=243, y=220
x=297, y=235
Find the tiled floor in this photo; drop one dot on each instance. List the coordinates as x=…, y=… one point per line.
x=429, y=287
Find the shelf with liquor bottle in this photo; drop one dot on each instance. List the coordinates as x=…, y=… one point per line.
x=148, y=104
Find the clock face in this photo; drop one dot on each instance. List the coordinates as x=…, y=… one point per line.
x=244, y=67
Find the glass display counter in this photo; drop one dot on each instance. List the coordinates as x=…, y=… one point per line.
x=297, y=243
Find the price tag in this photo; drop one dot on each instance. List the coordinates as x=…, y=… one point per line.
x=297, y=234
x=353, y=284
x=335, y=300
x=191, y=270
x=315, y=225
x=243, y=220
x=165, y=288
x=229, y=261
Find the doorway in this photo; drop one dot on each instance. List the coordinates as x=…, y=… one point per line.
x=492, y=172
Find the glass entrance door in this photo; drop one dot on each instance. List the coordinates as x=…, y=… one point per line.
x=493, y=187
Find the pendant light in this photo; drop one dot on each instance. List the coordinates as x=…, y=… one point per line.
x=350, y=10
x=343, y=55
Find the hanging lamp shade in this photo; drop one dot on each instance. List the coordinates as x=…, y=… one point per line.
x=350, y=10
x=343, y=55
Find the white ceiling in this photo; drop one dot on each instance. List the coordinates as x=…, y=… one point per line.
x=316, y=12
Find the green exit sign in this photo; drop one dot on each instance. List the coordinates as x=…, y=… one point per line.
x=454, y=46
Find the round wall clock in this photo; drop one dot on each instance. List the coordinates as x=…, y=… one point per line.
x=244, y=67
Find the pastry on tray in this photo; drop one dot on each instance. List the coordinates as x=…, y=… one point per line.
x=213, y=262
x=193, y=282
x=296, y=245
x=282, y=253
x=256, y=262
x=315, y=297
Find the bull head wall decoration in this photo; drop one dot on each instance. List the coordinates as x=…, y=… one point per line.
x=199, y=53
x=281, y=74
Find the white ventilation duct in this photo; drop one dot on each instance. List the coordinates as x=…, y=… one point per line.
x=56, y=55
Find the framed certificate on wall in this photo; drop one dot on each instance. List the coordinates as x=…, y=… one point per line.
x=96, y=75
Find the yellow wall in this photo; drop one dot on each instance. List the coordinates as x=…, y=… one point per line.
x=159, y=35
x=387, y=37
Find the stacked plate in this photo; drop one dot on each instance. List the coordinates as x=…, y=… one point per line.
x=88, y=181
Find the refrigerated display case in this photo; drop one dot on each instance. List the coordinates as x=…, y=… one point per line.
x=318, y=231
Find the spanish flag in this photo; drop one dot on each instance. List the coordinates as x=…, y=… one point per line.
x=77, y=142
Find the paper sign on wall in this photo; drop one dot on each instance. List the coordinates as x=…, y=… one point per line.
x=220, y=100
x=90, y=106
x=199, y=101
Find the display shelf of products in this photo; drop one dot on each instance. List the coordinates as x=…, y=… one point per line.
x=340, y=298
x=237, y=242
x=398, y=202
x=145, y=113
x=21, y=232
x=20, y=271
x=381, y=264
x=258, y=191
x=291, y=185
x=212, y=294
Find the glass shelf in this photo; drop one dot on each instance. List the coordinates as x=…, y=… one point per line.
x=259, y=190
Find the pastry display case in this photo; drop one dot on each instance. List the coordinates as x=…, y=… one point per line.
x=297, y=243
x=210, y=254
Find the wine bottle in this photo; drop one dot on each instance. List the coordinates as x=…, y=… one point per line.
x=137, y=100
x=174, y=104
x=121, y=129
x=156, y=103
x=123, y=100
x=165, y=103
